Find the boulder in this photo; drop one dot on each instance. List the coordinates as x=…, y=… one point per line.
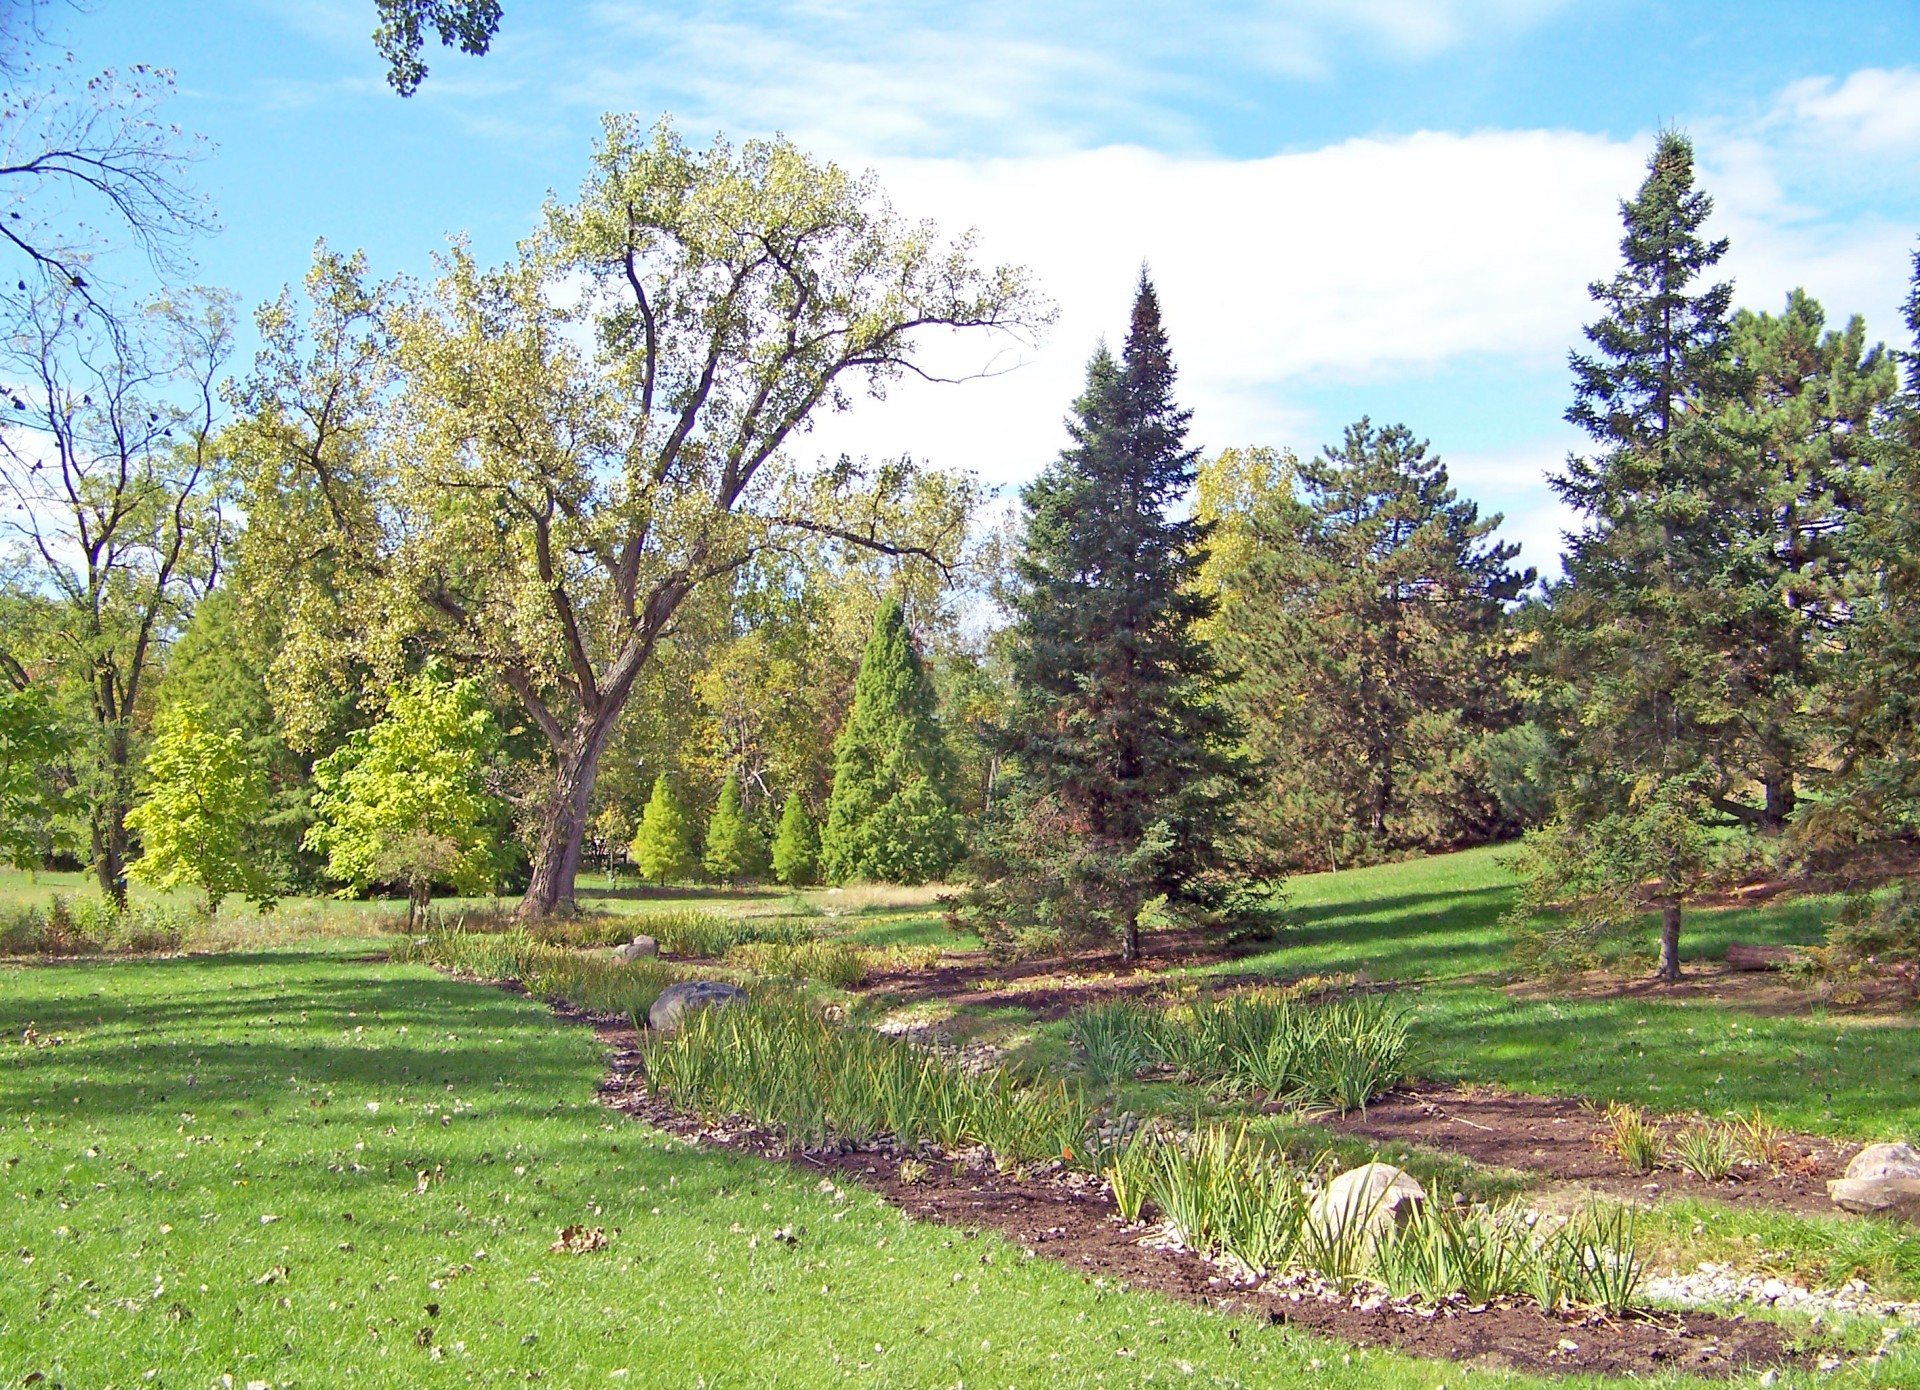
x=678, y=1000
x=1882, y=1180
x=637, y=948
x=1379, y=1196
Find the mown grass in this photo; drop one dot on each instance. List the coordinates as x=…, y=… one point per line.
x=1433, y=925
x=285, y=1166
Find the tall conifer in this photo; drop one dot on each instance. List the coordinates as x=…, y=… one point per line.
x=1126, y=782
x=1644, y=696
x=663, y=845
x=890, y=817
x=736, y=850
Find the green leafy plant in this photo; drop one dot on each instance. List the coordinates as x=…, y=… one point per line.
x=1707, y=1150
x=1632, y=1136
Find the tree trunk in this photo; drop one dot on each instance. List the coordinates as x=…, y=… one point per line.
x=563, y=821
x=419, y=899
x=1781, y=798
x=1670, y=941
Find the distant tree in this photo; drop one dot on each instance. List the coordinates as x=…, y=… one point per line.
x=663, y=846
x=469, y=25
x=1799, y=469
x=1873, y=701
x=111, y=460
x=736, y=850
x=30, y=739
x=205, y=794
x=406, y=800
x=796, y=849
x=1126, y=787
x=889, y=818
x=1640, y=694
x=1363, y=607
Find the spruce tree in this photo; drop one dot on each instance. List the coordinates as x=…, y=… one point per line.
x=796, y=848
x=1126, y=782
x=736, y=851
x=891, y=751
x=1642, y=695
x=663, y=846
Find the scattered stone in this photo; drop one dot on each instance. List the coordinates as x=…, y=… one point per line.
x=676, y=1001
x=1377, y=1195
x=639, y=948
x=1882, y=1180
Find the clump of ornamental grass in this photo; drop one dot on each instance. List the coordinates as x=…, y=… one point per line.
x=1225, y=1194
x=1707, y=1150
x=783, y=1065
x=829, y=962
x=697, y=932
x=1632, y=1136
x=1257, y=1042
x=594, y=982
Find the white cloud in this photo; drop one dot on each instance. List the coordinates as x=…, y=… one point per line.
x=1872, y=110
x=1354, y=262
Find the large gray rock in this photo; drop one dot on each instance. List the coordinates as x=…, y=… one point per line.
x=1376, y=1196
x=637, y=949
x=1882, y=1180
x=670, y=1010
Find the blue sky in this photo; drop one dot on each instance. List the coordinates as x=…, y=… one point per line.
x=1388, y=207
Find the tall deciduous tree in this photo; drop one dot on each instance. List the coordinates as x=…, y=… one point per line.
x=112, y=464
x=205, y=793
x=1644, y=703
x=1127, y=786
x=1365, y=618
x=890, y=818
x=589, y=434
x=30, y=739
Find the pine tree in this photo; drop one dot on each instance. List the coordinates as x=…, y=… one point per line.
x=891, y=750
x=1126, y=783
x=796, y=848
x=1643, y=699
x=663, y=846
x=1364, y=606
x=736, y=851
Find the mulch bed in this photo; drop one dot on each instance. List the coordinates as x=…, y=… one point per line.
x=1068, y=1219
x=1555, y=1137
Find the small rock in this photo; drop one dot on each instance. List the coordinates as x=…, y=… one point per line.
x=1828, y=1363
x=1770, y=1377
x=1773, y=1289
x=1376, y=1194
x=638, y=948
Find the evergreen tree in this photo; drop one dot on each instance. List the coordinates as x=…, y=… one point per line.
x=736, y=850
x=891, y=750
x=1126, y=782
x=796, y=849
x=1874, y=700
x=1643, y=701
x=663, y=846
x=1367, y=619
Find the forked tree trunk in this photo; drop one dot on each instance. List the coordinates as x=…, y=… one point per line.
x=1670, y=941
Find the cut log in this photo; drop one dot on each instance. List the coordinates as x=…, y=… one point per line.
x=1760, y=957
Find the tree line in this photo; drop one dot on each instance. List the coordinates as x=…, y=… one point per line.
x=465, y=584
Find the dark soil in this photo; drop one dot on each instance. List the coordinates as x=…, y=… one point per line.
x=1556, y=1137
x=1071, y=1219
x=1053, y=988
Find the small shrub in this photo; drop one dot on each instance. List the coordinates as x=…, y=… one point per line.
x=1635, y=1139
x=1758, y=1141
x=1706, y=1150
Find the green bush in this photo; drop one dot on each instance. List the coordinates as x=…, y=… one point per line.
x=92, y=925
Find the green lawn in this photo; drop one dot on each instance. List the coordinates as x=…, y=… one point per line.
x=219, y=1172
x=1435, y=924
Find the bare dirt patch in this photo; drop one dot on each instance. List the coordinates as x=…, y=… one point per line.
x=1554, y=1137
x=1052, y=988
x=1071, y=1219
